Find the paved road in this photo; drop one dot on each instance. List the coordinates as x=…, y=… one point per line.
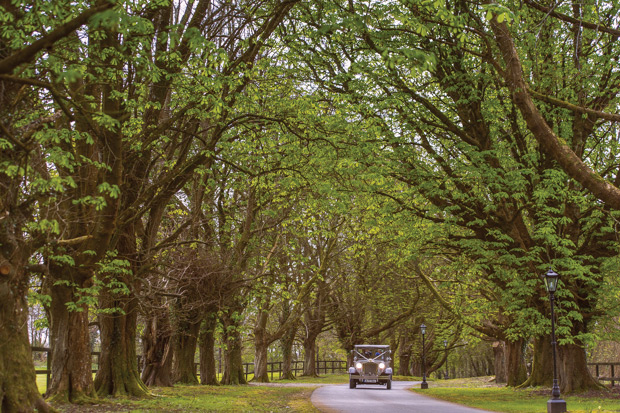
x=376, y=399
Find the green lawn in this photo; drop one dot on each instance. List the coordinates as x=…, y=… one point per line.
x=483, y=394
x=207, y=399
x=475, y=392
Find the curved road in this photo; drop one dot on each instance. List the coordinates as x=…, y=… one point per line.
x=376, y=399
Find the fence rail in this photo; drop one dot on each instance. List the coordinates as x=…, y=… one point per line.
x=605, y=368
x=275, y=367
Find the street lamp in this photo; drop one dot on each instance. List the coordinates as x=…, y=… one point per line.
x=555, y=404
x=424, y=384
x=445, y=347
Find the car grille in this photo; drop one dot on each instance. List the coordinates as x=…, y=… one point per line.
x=370, y=368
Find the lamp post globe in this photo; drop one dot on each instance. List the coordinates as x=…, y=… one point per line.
x=556, y=404
x=424, y=384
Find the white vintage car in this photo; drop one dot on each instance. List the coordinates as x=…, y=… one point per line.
x=371, y=365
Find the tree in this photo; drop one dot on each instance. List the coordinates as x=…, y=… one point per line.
x=25, y=182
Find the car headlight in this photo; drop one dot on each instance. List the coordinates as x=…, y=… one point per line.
x=358, y=366
x=381, y=366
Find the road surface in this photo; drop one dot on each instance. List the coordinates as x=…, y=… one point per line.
x=376, y=399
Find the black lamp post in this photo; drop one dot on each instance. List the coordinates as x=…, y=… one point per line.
x=555, y=404
x=424, y=384
x=445, y=347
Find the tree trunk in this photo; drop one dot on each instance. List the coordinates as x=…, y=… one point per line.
x=118, y=373
x=233, y=363
x=516, y=371
x=18, y=386
x=404, y=357
x=261, y=374
x=208, y=373
x=72, y=379
x=310, y=356
x=157, y=353
x=499, y=362
x=286, y=343
x=542, y=364
x=185, y=342
x=573, y=370
x=261, y=346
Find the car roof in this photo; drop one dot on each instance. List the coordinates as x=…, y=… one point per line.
x=372, y=345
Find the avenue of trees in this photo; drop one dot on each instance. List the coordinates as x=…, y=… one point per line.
x=190, y=174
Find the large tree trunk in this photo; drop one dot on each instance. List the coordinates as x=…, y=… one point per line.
x=310, y=355
x=185, y=343
x=208, y=373
x=516, y=371
x=233, y=363
x=573, y=370
x=261, y=374
x=500, y=362
x=18, y=386
x=542, y=364
x=261, y=347
x=404, y=356
x=157, y=353
x=72, y=379
x=118, y=373
x=286, y=342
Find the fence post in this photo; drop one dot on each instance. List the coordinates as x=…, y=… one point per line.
x=612, y=375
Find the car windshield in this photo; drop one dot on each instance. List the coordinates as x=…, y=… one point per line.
x=373, y=353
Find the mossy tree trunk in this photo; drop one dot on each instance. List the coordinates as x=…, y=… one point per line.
x=185, y=343
x=286, y=343
x=516, y=371
x=310, y=356
x=233, y=362
x=157, y=352
x=18, y=386
x=208, y=373
x=118, y=373
x=573, y=370
x=72, y=379
x=499, y=363
x=542, y=363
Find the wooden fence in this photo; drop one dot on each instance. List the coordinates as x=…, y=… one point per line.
x=275, y=367
x=605, y=371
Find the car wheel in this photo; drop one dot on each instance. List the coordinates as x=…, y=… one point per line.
x=352, y=383
x=388, y=385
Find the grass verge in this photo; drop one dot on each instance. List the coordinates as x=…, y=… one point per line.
x=207, y=399
x=482, y=394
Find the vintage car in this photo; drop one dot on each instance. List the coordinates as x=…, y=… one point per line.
x=371, y=365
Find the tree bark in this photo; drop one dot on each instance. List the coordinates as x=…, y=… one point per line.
x=542, y=364
x=118, y=373
x=233, y=362
x=72, y=379
x=573, y=370
x=404, y=356
x=18, y=386
x=286, y=343
x=157, y=353
x=185, y=343
x=261, y=346
x=310, y=356
x=499, y=362
x=516, y=371
x=208, y=373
